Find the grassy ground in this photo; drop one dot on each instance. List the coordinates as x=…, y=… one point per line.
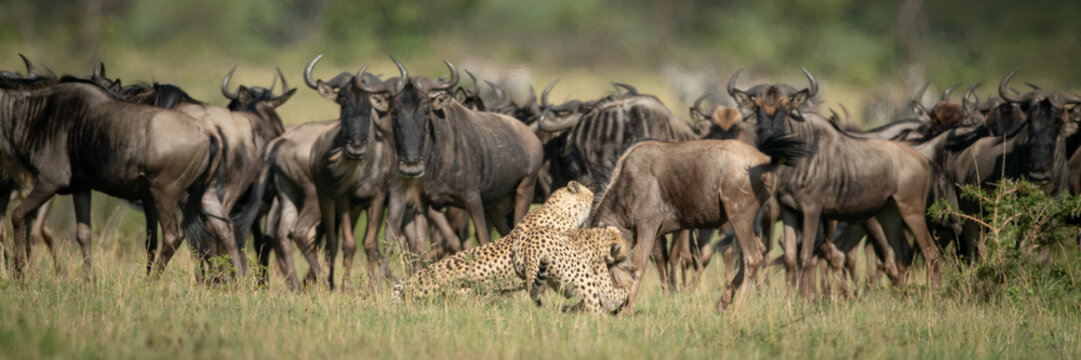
x=123, y=315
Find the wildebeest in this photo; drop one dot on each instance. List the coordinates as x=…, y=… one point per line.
x=449, y=155
x=76, y=137
x=847, y=178
x=649, y=196
x=352, y=165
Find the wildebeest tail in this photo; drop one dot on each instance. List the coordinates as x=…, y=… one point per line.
x=783, y=149
x=243, y=221
x=194, y=223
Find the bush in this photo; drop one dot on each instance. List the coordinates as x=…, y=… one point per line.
x=1019, y=221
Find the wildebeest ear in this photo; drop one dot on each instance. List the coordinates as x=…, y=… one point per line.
x=440, y=99
x=327, y=91
x=380, y=102
x=278, y=101
x=797, y=99
x=460, y=95
x=697, y=116
x=573, y=187
x=921, y=112
x=745, y=101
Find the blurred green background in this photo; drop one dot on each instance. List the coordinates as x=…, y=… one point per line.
x=870, y=55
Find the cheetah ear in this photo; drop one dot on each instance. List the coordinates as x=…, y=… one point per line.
x=573, y=187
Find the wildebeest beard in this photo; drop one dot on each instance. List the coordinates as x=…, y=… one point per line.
x=1044, y=121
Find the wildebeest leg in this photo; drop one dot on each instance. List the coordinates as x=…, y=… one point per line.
x=889, y=258
x=701, y=254
x=82, y=229
x=680, y=253
x=377, y=264
x=40, y=231
x=915, y=220
x=40, y=193
x=150, y=211
x=660, y=259
x=788, y=242
x=523, y=197
x=348, y=221
x=166, y=200
x=645, y=238
x=750, y=254
x=835, y=259
x=218, y=219
x=280, y=223
x=453, y=243
x=476, y=212
x=806, y=251
x=329, y=210
x=392, y=234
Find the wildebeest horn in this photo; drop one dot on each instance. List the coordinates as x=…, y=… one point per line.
x=732, y=83
x=532, y=97
x=630, y=89
x=453, y=78
x=834, y=117
x=919, y=95
x=1062, y=97
x=814, y=83
x=698, y=104
x=502, y=99
x=1033, y=86
x=476, y=85
x=544, y=95
x=225, y=85
x=31, y=70
x=1004, y=86
x=401, y=70
x=545, y=125
x=946, y=94
x=99, y=70
x=848, y=115
x=965, y=104
x=308, y=72
x=285, y=85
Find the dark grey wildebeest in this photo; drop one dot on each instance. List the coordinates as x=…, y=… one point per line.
x=848, y=178
x=449, y=155
x=75, y=137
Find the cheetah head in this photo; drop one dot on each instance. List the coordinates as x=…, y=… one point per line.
x=575, y=198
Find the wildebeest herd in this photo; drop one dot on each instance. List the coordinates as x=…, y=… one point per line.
x=435, y=157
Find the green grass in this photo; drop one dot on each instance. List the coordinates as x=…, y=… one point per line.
x=124, y=315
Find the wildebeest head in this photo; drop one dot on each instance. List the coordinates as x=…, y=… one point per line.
x=771, y=105
x=259, y=101
x=943, y=116
x=720, y=124
x=420, y=99
x=357, y=96
x=570, y=112
x=529, y=111
x=1045, y=117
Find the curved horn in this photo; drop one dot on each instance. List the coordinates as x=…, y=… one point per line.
x=225, y=85
x=1004, y=86
x=814, y=83
x=848, y=115
x=99, y=70
x=502, y=100
x=630, y=89
x=919, y=96
x=31, y=70
x=965, y=104
x=308, y=72
x=453, y=78
x=546, y=125
x=401, y=69
x=834, y=117
x=544, y=95
x=1033, y=86
x=698, y=104
x=1068, y=97
x=946, y=94
x=285, y=85
x=476, y=85
x=732, y=83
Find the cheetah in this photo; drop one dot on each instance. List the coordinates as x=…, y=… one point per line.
x=575, y=262
x=567, y=208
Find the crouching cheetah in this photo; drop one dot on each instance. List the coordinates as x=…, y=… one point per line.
x=575, y=262
x=567, y=208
